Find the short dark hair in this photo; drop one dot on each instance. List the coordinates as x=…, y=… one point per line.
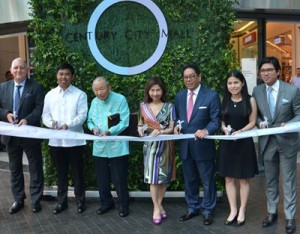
x=273, y=60
x=154, y=81
x=66, y=66
x=192, y=66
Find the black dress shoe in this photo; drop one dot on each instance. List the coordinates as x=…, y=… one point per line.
x=81, y=207
x=18, y=205
x=36, y=207
x=207, y=219
x=290, y=226
x=59, y=208
x=102, y=211
x=269, y=220
x=187, y=216
x=123, y=213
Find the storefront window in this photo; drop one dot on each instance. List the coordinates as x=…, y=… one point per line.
x=280, y=42
x=244, y=39
x=11, y=47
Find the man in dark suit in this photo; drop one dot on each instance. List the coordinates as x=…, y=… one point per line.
x=199, y=109
x=278, y=103
x=21, y=103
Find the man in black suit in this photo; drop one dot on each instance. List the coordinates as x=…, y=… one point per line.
x=21, y=103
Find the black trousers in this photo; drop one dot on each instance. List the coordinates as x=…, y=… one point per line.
x=63, y=157
x=15, y=149
x=112, y=170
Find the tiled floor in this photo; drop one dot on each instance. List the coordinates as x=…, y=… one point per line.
x=139, y=220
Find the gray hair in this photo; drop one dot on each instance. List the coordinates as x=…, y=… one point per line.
x=99, y=79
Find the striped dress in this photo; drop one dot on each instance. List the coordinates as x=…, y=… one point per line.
x=159, y=162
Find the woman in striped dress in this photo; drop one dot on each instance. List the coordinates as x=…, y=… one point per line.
x=156, y=118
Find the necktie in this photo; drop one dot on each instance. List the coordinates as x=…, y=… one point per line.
x=190, y=106
x=271, y=101
x=17, y=99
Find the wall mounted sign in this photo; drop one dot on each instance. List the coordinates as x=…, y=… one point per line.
x=122, y=70
x=250, y=38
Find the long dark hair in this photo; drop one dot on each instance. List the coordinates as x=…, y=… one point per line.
x=247, y=109
x=154, y=81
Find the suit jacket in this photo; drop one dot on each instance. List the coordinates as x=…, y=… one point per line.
x=31, y=104
x=287, y=110
x=206, y=115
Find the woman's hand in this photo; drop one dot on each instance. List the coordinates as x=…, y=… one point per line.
x=225, y=130
x=141, y=132
x=155, y=132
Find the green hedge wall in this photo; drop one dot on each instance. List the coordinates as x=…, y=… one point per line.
x=199, y=32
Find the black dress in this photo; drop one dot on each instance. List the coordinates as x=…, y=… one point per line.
x=237, y=158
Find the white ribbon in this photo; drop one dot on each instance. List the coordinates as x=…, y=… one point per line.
x=44, y=133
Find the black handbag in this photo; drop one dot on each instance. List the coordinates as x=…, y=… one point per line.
x=131, y=130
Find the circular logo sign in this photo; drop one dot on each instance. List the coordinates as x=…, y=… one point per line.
x=163, y=32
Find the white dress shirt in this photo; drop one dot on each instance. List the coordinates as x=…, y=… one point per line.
x=196, y=91
x=21, y=90
x=65, y=107
x=275, y=90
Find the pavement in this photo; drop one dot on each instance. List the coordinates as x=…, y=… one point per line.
x=140, y=218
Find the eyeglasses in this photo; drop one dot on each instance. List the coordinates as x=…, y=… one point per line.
x=268, y=71
x=191, y=76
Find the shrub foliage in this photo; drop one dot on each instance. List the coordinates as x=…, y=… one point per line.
x=199, y=32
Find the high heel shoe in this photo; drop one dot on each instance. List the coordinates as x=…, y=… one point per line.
x=156, y=221
x=164, y=215
x=230, y=222
x=241, y=222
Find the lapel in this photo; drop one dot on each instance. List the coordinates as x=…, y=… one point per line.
x=10, y=95
x=265, y=101
x=184, y=102
x=280, y=95
x=200, y=98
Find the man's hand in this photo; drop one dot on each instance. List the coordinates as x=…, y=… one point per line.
x=200, y=134
x=262, y=125
x=106, y=133
x=10, y=118
x=177, y=130
x=63, y=127
x=22, y=122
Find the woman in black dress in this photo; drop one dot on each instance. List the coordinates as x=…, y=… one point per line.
x=237, y=158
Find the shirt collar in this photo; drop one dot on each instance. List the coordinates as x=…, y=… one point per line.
x=196, y=91
x=22, y=83
x=275, y=86
x=69, y=89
